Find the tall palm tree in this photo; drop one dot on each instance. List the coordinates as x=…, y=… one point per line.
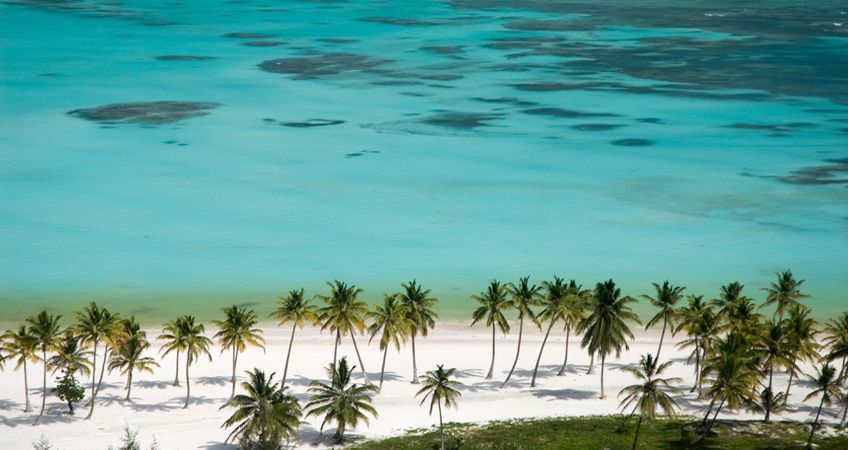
x=523, y=297
x=340, y=401
x=391, y=322
x=265, y=415
x=344, y=313
x=827, y=385
x=236, y=332
x=605, y=329
x=420, y=314
x=836, y=339
x=128, y=355
x=649, y=393
x=94, y=325
x=174, y=342
x=21, y=346
x=801, y=341
x=555, y=307
x=196, y=345
x=296, y=309
x=733, y=373
x=698, y=320
x=493, y=302
x=46, y=331
x=773, y=347
x=784, y=293
x=665, y=300
x=439, y=387
x=576, y=302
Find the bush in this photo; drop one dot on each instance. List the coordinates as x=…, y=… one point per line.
x=42, y=444
x=68, y=389
x=130, y=441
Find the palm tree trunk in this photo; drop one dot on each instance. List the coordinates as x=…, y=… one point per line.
x=709, y=410
x=715, y=416
x=697, y=365
x=414, y=364
x=383, y=367
x=517, y=351
x=591, y=364
x=129, y=384
x=99, y=381
x=336, y=347
x=441, y=425
x=177, y=372
x=770, y=395
x=235, y=361
x=44, y=385
x=188, y=384
x=844, y=414
x=603, y=360
x=565, y=361
x=288, y=355
x=636, y=438
x=361, y=366
x=339, y=433
x=93, y=373
x=28, y=407
x=662, y=336
x=815, y=423
x=492, y=365
x=539, y=358
x=789, y=385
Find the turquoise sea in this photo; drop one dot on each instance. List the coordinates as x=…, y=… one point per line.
x=163, y=157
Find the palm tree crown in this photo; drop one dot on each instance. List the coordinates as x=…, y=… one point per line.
x=785, y=293
x=420, y=315
x=340, y=401
x=236, y=332
x=439, y=387
x=265, y=415
x=45, y=329
x=650, y=393
x=667, y=296
x=296, y=309
x=391, y=322
x=22, y=346
x=128, y=356
x=493, y=302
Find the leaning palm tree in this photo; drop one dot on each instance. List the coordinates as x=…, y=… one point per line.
x=493, y=302
x=420, y=314
x=606, y=330
x=344, y=313
x=576, y=302
x=391, y=322
x=21, y=346
x=340, y=401
x=665, y=300
x=773, y=347
x=784, y=293
x=801, y=341
x=174, y=342
x=265, y=415
x=296, y=309
x=46, y=331
x=651, y=392
x=196, y=345
x=836, y=339
x=733, y=376
x=94, y=325
x=236, y=332
x=826, y=384
x=555, y=307
x=128, y=355
x=523, y=297
x=438, y=386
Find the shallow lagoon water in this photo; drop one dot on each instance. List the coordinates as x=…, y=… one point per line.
x=455, y=142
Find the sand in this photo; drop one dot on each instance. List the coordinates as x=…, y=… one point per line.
x=156, y=406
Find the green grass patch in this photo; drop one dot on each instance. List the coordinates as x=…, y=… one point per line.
x=610, y=432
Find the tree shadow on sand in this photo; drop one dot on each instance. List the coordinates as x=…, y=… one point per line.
x=8, y=405
x=564, y=394
x=153, y=384
x=221, y=380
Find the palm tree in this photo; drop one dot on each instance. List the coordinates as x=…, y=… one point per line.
x=555, y=307
x=827, y=385
x=236, y=332
x=128, y=355
x=174, y=342
x=493, y=301
x=523, y=297
x=391, y=322
x=651, y=392
x=295, y=309
x=94, y=325
x=800, y=340
x=196, y=345
x=344, y=314
x=605, y=328
x=44, y=328
x=666, y=298
x=419, y=309
x=785, y=293
x=698, y=320
x=773, y=346
x=265, y=416
x=577, y=300
x=340, y=401
x=22, y=346
x=836, y=338
x=70, y=357
x=438, y=386
x=733, y=374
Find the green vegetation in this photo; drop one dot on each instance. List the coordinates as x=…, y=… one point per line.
x=607, y=432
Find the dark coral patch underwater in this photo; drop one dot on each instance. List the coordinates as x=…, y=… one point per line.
x=146, y=113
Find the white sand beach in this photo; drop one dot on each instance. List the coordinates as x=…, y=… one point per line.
x=156, y=406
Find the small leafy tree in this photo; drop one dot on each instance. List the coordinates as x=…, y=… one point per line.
x=69, y=389
x=129, y=441
x=42, y=444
